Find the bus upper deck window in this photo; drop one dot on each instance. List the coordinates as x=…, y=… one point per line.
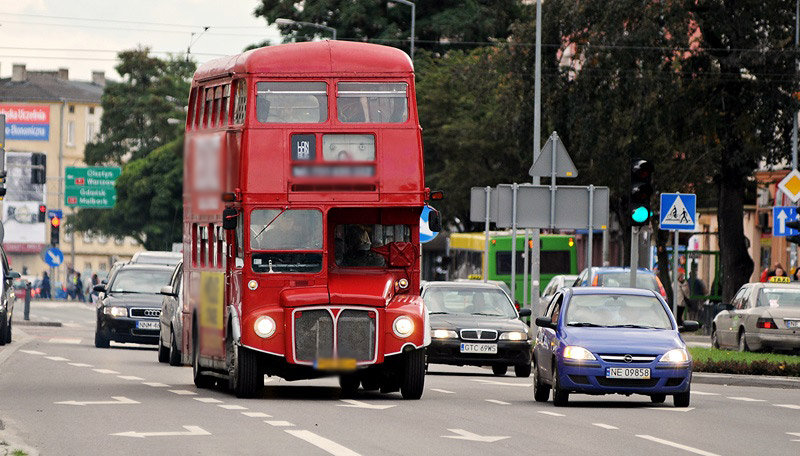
x=291, y=102
x=372, y=102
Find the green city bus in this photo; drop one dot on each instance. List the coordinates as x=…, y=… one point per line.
x=558, y=256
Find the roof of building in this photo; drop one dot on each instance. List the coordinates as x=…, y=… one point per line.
x=47, y=86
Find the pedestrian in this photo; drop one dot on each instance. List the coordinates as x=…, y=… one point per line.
x=45, y=293
x=683, y=296
x=93, y=295
x=777, y=271
x=78, y=287
x=796, y=275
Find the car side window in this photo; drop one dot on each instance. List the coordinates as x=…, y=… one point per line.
x=744, y=298
x=737, y=298
x=556, y=309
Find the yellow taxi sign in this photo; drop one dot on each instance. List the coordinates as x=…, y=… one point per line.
x=779, y=279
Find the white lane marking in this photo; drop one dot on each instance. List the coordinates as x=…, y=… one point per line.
x=232, y=407
x=358, y=404
x=672, y=409
x=80, y=364
x=745, y=399
x=190, y=430
x=703, y=393
x=495, y=401
x=322, y=443
x=605, y=426
x=442, y=391
x=789, y=406
x=268, y=379
x=183, y=392
x=105, y=371
x=117, y=400
x=129, y=377
x=156, y=384
x=208, y=400
x=543, y=412
x=56, y=358
x=32, y=352
x=796, y=434
x=256, y=415
x=279, y=423
x=65, y=340
x=676, y=445
x=495, y=382
x=466, y=435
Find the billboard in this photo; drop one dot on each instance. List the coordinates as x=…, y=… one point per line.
x=27, y=122
x=23, y=231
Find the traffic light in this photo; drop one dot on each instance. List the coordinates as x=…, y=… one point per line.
x=55, y=225
x=38, y=168
x=641, y=191
x=42, y=213
x=795, y=225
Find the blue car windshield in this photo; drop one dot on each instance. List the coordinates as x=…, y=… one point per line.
x=617, y=311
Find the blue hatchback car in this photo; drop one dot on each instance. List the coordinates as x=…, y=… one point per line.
x=598, y=340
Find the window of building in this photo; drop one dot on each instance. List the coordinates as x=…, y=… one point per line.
x=291, y=102
x=240, y=102
x=91, y=131
x=91, y=109
x=102, y=239
x=119, y=240
x=87, y=237
x=71, y=133
x=71, y=109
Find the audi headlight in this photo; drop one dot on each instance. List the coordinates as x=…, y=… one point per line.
x=116, y=311
x=513, y=335
x=264, y=326
x=678, y=355
x=403, y=326
x=443, y=334
x=578, y=353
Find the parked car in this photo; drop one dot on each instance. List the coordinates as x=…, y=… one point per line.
x=171, y=319
x=476, y=324
x=760, y=316
x=558, y=281
x=7, y=299
x=595, y=340
x=130, y=304
x=607, y=276
x=156, y=257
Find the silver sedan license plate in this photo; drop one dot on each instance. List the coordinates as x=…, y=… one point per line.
x=148, y=325
x=628, y=372
x=490, y=349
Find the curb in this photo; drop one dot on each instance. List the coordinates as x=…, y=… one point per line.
x=764, y=381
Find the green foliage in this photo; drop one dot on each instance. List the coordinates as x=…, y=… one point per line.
x=732, y=362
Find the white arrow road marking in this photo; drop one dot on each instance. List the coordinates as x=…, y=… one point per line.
x=129, y=377
x=466, y=435
x=232, y=407
x=605, y=426
x=190, y=430
x=279, y=423
x=64, y=340
x=156, y=384
x=495, y=382
x=117, y=400
x=789, y=406
x=796, y=434
x=746, y=399
x=442, y=391
x=183, y=392
x=32, y=352
x=495, y=401
x=322, y=443
x=676, y=445
x=256, y=415
x=208, y=400
x=364, y=405
x=56, y=358
x=80, y=364
x=703, y=393
x=543, y=412
x=105, y=371
x=672, y=409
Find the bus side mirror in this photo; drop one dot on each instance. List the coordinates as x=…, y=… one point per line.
x=435, y=221
x=229, y=216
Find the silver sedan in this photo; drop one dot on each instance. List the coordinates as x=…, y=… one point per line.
x=761, y=316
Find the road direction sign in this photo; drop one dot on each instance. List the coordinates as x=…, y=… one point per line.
x=678, y=211
x=91, y=186
x=571, y=207
x=91, y=176
x=53, y=257
x=425, y=233
x=477, y=205
x=553, y=150
x=96, y=197
x=781, y=215
x=790, y=185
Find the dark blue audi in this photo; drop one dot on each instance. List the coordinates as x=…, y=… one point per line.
x=598, y=340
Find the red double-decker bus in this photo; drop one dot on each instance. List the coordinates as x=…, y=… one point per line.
x=303, y=191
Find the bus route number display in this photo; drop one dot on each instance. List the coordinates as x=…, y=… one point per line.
x=304, y=147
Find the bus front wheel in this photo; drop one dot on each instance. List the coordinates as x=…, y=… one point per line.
x=413, y=381
x=244, y=373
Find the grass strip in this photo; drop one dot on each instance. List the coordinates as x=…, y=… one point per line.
x=747, y=363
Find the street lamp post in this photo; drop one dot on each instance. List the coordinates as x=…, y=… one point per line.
x=284, y=21
x=413, y=20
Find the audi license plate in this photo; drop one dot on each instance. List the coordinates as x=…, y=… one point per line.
x=148, y=325
x=628, y=372
x=490, y=349
x=792, y=323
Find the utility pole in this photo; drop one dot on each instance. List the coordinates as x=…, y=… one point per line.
x=537, y=144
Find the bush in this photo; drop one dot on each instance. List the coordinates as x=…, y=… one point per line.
x=730, y=362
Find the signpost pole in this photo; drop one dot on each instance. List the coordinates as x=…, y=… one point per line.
x=514, y=191
x=486, y=235
x=591, y=232
x=634, y=254
x=553, y=182
x=537, y=145
x=675, y=284
x=525, y=273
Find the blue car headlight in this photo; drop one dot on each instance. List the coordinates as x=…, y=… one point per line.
x=677, y=355
x=576, y=353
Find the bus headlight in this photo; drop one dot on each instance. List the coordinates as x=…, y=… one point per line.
x=252, y=285
x=403, y=326
x=264, y=326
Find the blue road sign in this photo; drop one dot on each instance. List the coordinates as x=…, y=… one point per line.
x=678, y=211
x=425, y=233
x=53, y=256
x=55, y=213
x=781, y=215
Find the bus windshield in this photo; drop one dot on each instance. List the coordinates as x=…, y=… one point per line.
x=354, y=243
x=276, y=229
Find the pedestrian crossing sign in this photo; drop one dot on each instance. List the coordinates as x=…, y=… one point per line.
x=678, y=211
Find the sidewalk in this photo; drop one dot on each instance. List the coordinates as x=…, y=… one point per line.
x=763, y=381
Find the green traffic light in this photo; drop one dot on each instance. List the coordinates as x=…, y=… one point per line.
x=640, y=214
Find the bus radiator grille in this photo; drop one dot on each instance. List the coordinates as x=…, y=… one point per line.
x=355, y=336
x=313, y=335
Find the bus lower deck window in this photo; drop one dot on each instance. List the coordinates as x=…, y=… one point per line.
x=291, y=102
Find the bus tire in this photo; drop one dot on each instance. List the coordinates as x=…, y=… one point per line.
x=245, y=375
x=413, y=381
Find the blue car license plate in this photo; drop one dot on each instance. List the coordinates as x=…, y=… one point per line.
x=628, y=372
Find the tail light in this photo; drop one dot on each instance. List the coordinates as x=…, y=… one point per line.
x=766, y=323
x=661, y=288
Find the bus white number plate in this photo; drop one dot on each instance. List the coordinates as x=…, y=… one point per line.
x=479, y=348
